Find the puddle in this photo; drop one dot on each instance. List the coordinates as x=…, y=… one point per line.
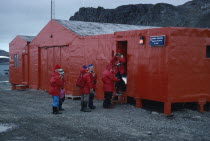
x=5, y=127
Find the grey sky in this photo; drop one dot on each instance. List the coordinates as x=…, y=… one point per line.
x=28, y=17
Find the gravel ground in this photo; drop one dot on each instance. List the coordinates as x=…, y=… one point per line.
x=26, y=115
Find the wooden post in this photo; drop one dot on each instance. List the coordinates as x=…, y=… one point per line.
x=201, y=103
x=125, y=98
x=167, y=108
x=13, y=87
x=138, y=103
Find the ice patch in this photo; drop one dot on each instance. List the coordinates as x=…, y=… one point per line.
x=5, y=127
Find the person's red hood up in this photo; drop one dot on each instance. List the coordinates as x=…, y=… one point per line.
x=57, y=67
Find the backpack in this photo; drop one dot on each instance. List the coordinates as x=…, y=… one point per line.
x=62, y=93
x=80, y=81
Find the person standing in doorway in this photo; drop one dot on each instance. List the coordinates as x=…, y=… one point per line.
x=54, y=90
x=118, y=62
x=93, y=83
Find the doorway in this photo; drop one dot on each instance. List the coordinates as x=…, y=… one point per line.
x=121, y=85
x=122, y=45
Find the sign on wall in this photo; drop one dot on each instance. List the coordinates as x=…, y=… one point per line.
x=157, y=41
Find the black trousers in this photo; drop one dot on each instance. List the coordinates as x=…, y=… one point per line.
x=90, y=103
x=107, y=99
x=61, y=102
x=120, y=85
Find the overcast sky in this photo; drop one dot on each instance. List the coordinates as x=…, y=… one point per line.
x=28, y=17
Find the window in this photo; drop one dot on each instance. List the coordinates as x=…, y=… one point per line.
x=15, y=60
x=207, y=51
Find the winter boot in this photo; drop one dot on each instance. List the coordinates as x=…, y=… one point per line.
x=56, y=111
x=82, y=106
x=86, y=109
x=60, y=108
x=92, y=107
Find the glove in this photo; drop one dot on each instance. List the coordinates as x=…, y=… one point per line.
x=92, y=92
x=118, y=64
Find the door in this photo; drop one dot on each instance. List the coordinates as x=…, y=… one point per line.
x=43, y=79
x=49, y=57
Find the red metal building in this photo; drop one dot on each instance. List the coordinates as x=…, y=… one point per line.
x=18, y=52
x=170, y=65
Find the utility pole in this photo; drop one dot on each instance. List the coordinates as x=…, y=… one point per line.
x=52, y=9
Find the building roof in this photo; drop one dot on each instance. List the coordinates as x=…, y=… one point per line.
x=82, y=28
x=27, y=38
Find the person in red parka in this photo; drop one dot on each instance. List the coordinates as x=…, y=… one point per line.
x=86, y=89
x=118, y=62
x=108, y=79
x=55, y=87
x=93, y=83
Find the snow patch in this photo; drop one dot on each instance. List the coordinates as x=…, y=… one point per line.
x=5, y=127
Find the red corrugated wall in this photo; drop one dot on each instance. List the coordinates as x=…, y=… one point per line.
x=188, y=67
x=18, y=74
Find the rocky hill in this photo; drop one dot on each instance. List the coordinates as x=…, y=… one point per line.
x=195, y=13
x=4, y=53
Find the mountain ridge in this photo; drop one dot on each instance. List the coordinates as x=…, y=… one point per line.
x=195, y=14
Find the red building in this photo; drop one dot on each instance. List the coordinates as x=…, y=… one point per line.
x=18, y=52
x=168, y=64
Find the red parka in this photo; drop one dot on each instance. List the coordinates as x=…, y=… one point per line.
x=109, y=79
x=88, y=83
x=55, y=84
x=118, y=59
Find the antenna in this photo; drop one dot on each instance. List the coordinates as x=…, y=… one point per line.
x=52, y=9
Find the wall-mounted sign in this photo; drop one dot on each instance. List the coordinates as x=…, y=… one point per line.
x=157, y=41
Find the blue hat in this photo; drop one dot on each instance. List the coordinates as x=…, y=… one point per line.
x=90, y=65
x=85, y=67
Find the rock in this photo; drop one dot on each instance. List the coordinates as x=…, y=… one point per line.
x=155, y=113
x=149, y=133
x=194, y=13
x=196, y=117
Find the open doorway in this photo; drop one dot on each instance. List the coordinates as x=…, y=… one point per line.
x=122, y=45
x=122, y=74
